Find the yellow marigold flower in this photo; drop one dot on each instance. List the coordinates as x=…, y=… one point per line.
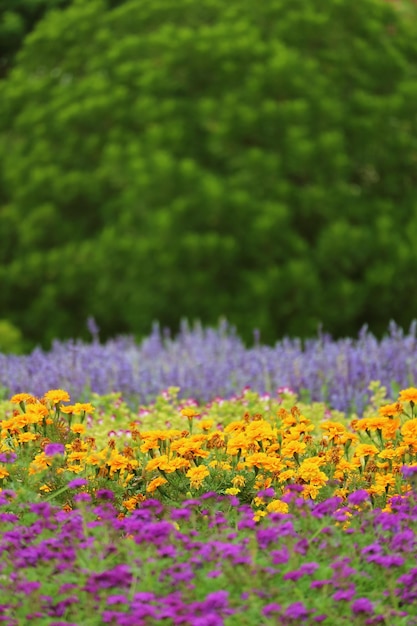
x=390, y=410
x=22, y=397
x=237, y=443
x=235, y=427
x=409, y=431
x=130, y=503
x=3, y=472
x=292, y=447
x=189, y=412
x=259, y=431
x=76, y=469
x=310, y=491
x=39, y=463
x=79, y=429
x=365, y=449
x=36, y=412
x=155, y=483
x=333, y=428
x=178, y=464
x=160, y=463
x=297, y=431
x=388, y=453
x=19, y=421
x=26, y=437
x=54, y=396
x=45, y=488
x=261, y=460
x=197, y=475
x=408, y=395
x=262, y=482
x=286, y=475
x=277, y=506
x=205, y=425
x=78, y=408
x=150, y=444
x=259, y=515
x=372, y=423
x=386, y=480
x=238, y=481
x=232, y=491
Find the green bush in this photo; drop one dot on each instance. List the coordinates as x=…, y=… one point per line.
x=200, y=158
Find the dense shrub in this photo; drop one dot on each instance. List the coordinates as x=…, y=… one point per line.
x=201, y=158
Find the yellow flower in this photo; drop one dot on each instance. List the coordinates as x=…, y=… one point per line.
x=45, y=488
x=189, y=412
x=408, y=395
x=26, y=437
x=259, y=515
x=54, y=396
x=3, y=472
x=22, y=397
x=130, y=503
x=286, y=475
x=364, y=449
x=79, y=429
x=197, y=475
x=155, y=483
x=178, y=464
x=238, y=481
x=293, y=447
x=39, y=463
x=205, y=425
x=232, y=491
x=277, y=506
x=78, y=408
x=237, y=443
x=409, y=431
x=389, y=410
x=259, y=431
x=261, y=460
x=160, y=463
x=35, y=413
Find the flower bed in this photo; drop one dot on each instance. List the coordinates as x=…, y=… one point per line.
x=274, y=517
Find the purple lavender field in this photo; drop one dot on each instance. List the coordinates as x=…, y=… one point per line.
x=210, y=362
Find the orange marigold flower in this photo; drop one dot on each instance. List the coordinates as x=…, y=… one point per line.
x=292, y=447
x=22, y=397
x=79, y=429
x=277, y=506
x=409, y=431
x=389, y=410
x=197, y=475
x=408, y=395
x=26, y=437
x=365, y=449
x=189, y=412
x=57, y=395
x=160, y=462
x=78, y=408
x=3, y=472
x=238, y=481
x=206, y=425
x=155, y=483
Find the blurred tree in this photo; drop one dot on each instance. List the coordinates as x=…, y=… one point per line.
x=201, y=158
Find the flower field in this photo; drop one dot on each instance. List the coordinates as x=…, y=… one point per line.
x=260, y=508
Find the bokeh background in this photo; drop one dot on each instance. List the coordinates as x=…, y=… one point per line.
x=200, y=159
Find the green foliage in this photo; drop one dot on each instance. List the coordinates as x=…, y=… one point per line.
x=18, y=18
x=202, y=158
x=11, y=339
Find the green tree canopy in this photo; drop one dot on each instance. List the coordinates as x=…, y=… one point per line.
x=201, y=158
